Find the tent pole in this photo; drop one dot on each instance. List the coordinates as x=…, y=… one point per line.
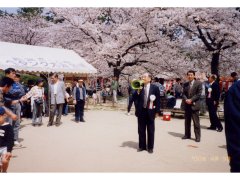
x=49, y=98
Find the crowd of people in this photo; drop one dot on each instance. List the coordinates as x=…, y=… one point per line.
x=52, y=100
x=148, y=100
x=40, y=99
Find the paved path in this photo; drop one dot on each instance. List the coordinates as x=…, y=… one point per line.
x=108, y=142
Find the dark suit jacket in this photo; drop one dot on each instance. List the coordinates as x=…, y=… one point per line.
x=232, y=122
x=194, y=95
x=215, y=94
x=139, y=100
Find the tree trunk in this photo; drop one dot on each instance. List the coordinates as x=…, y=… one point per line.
x=215, y=63
x=116, y=72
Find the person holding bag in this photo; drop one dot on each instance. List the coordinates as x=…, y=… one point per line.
x=37, y=105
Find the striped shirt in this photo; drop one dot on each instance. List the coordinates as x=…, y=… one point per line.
x=98, y=87
x=35, y=92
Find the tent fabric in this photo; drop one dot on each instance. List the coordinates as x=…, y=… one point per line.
x=38, y=59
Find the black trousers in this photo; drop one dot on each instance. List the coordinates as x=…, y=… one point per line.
x=130, y=102
x=27, y=110
x=189, y=116
x=212, y=109
x=146, y=123
x=79, y=110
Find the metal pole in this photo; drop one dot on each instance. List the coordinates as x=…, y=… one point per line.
x=49, y=98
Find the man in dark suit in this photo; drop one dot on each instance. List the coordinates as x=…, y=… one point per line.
x=147, y=105
x=79, y=98
x=232, y=125
x=234, y=77
x=212, y=100
x=191, y=101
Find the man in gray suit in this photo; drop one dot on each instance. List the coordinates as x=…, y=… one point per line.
x=191, y=101
x=57, y=96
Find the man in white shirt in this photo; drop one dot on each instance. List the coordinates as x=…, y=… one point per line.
x=57, y=99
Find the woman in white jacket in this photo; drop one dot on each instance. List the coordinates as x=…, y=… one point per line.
x=37, y=104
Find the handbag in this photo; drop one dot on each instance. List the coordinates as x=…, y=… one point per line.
x=38, y=101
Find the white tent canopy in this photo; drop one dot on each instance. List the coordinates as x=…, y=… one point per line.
x=42, y=59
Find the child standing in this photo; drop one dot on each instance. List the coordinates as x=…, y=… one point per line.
x=104, y=94
x=94, y=96
x=6, y=141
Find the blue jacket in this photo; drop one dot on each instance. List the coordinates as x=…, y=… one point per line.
x=76, y=93
x=15, y=93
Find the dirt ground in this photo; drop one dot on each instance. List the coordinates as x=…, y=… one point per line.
x=108, y=142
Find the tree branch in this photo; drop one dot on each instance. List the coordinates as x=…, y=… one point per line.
x=125, y=74
x=135, y=45
x=87, y=34
x=136, y=62
x=145, y=31
x=110, y=64
x=211, y=39
x=219, y=45
x=187, y=29
x=228, y=46
x=204, y=40
x=81, y=29
x=74, y=41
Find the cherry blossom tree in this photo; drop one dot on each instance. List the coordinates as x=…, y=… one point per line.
x=116, y=38
x=213, y=32
x=23, y=29
x=129, y=41
x=159, y=40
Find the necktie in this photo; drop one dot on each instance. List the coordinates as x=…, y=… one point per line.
x=190, y=87
x=145, y=98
